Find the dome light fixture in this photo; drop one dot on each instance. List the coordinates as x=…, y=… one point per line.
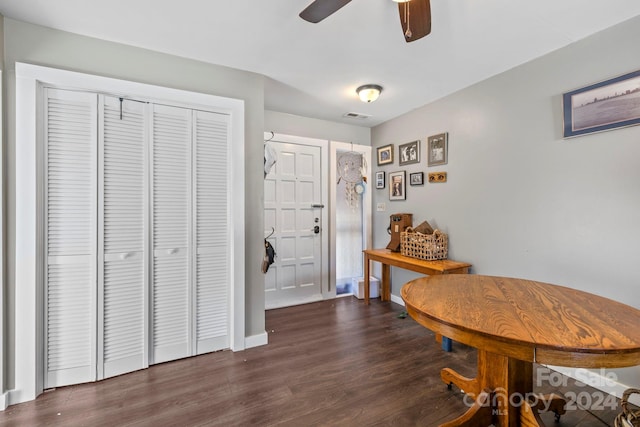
x=369, y=93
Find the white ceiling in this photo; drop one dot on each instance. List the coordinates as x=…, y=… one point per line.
x=313, y=69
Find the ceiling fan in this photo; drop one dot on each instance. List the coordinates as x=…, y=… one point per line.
x=415, y=15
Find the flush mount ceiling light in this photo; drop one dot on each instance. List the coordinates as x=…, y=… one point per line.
x=369, y=93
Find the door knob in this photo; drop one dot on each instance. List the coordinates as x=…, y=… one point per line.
x=316, y=229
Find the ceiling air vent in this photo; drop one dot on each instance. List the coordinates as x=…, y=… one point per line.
x=355, y=116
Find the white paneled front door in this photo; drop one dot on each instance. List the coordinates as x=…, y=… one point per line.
x=293, y=200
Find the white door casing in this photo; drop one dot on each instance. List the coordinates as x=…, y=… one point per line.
x=294, y=206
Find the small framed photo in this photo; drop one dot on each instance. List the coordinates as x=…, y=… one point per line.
x=380, y=179
x=409, y=153
x=607, y=105
x=385, y=155
x=416, y=178
x=397, y=186
x=437, y=149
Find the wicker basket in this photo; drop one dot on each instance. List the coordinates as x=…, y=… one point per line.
x=628, y=418
x=424, y=246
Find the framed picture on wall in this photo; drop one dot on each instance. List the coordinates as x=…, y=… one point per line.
x=385, y=155
x=409, y=153
x=437, y=149
x=416, y=178
x=607, y=105
x=397, y=186
x=380, y=179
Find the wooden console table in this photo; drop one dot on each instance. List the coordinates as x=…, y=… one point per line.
x=514, y=323
x=388, y=259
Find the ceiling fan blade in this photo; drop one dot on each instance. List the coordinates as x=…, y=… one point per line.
x=320, y=9
x=416, y=21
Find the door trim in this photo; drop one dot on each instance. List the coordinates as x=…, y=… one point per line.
x=29, y=357
x=323, y=144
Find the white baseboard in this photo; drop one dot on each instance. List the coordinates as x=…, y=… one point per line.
x=14, y=396
x=397, y=300
x=4, y=401
x=256, y=340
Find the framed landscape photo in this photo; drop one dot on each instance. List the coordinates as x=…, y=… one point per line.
x=409, y=153
x=416, y=178
x=607, y=105
x=437, y=149
x=380, y=179
x=397, y=186
x=385, y=155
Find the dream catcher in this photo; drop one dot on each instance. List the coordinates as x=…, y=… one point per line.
x=352, y=169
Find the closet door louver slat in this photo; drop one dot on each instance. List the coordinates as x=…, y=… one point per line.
x=211, y=232
x=171, y=153
x=123, y=137
x=70, y=237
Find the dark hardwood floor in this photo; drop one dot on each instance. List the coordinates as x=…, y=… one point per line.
x=331, y=363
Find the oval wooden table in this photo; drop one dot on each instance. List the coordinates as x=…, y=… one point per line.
x=514, y=323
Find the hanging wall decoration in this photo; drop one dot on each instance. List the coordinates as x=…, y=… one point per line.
x=607, y=105
x=416, y=178
x=409, y=153
x=385, y=155
x=397, y=186
x=436, y=177
x=437, y=149
x=352, y=169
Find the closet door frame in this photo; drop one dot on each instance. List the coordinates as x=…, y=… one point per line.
x=29, y=254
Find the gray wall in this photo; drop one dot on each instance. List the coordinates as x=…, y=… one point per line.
x=42, y=46
x=290, y=124
x=520, y=200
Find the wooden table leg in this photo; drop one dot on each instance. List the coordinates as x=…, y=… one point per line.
x=530, y=417
x=479, y=415
x=510, y=381
x=385, y=292
x=468, y=385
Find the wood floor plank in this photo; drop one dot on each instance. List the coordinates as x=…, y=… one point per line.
x=333, y=363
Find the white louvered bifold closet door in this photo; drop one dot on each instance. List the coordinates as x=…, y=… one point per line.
x=171, y=314
x=211, y=231
x=70, y=164
x=136, y=234
x=122, y=290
